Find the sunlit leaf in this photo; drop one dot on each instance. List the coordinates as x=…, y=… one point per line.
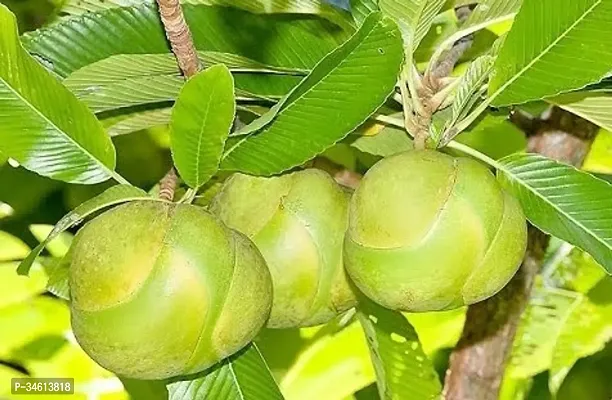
x=563, y=201
x=334, y=366
x=540, y=326
x=42, y=124
x=386, y=142
x=201, y=121
x=15, y=288
x=594, y=106
x=402, y=368
x=586, y=331
x=547, y=34
x=414, y=17
x=339, y=92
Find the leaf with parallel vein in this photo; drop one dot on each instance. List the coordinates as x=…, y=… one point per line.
x=334, y=99
x=559, y=199
x=70, y=44
x=42, y=124
x=547, y=34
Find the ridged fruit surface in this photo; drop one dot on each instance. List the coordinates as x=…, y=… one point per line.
x=297, y=221
x=431, y=232
x=160, y=290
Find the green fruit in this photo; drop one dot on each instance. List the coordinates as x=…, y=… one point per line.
x=431, y=232
x=298, y=222
x=160, y=290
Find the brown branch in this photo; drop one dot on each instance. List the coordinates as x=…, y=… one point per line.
x=181, y=41
x=179, y=36
x=478, y=362
x=167, y=185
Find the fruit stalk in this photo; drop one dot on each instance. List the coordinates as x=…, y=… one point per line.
x=478, y=362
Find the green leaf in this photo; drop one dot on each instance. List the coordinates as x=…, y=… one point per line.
x=297, y=42
x=362, y=8
x=12, y=248
x=243, y=376
x=540, y=326
x=137, y=121
x=495, y=136
x=594, y=106
x=114, y=195
x=42, y=124
x=15, y=288
x=135, y=79
x=315, y=7
x=334, y=99
x=201, y=121
x=545, y=35
x=572, y=269
x=385, y=143
x=471, y=86
x=414, y=17
x=333, y=366
x=59, y=276
x=586, y=331
x=487, y=13
x=563, y=201
x=402, y=368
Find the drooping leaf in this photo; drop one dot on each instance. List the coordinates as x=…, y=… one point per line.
x=548, y=34
x=114, y=195
x=335, y=98
x=386, y=142
x=403, y=370
x=540, y=326
x=414, y=17
x=594, y=106
x=201, y=121
x=563, y=201
x=299, y=42
x=59, y=278
x=243, y=376
x=42, y=124
x=586, y=331
x=133, y=122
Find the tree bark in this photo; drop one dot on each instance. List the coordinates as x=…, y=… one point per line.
x=477, y=364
